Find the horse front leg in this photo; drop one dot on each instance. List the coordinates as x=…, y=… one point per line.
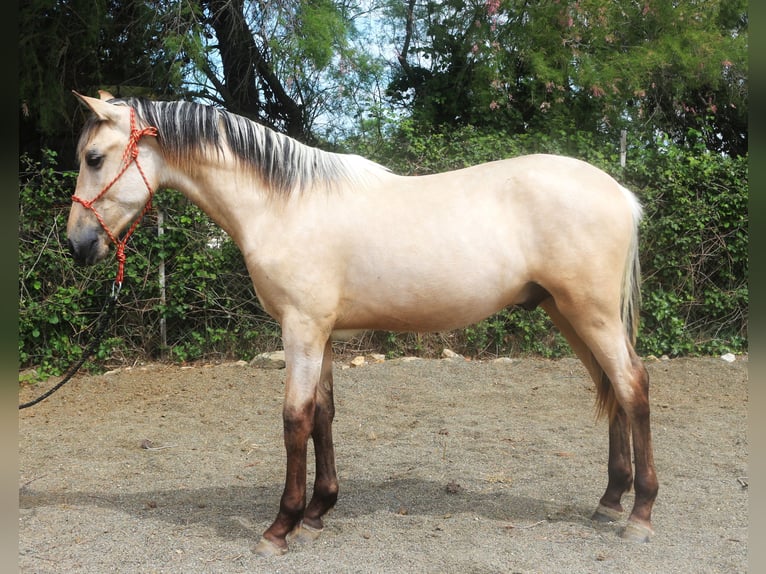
x=326, y=482
x=304, y=360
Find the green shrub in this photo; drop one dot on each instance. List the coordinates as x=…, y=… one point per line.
x=694, y=250
x=694, y=255
x=694, y=237
x=210, y=309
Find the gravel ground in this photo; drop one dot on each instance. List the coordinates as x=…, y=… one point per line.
x=446, y=466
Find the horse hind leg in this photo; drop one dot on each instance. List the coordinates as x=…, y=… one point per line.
x=635, y=378
x=629, y=418
x=639, y=527
x=619, y=468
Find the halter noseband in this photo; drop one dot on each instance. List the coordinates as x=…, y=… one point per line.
x=130, y=156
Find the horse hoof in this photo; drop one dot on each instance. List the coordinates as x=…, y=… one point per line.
x=267, y=549
x=605, y=514
x=635, y=532
x=304, y=534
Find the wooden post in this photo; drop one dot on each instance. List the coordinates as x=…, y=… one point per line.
x=163, y=324
x=623, y=147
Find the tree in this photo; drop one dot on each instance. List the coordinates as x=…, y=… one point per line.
x=592, y=65
x=281, y=63
x=85, y=45
x=284, y=64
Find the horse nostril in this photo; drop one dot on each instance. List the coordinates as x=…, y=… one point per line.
x=76, y=253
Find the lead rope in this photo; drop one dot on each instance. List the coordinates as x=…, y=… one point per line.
x=130, y=156
x=106, y=315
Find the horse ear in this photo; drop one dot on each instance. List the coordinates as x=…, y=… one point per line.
x=101, y=108
x=104, y=95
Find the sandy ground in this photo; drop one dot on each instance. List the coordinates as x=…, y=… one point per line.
x=446, y=466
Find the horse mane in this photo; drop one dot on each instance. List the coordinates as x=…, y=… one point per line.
x=188, y=131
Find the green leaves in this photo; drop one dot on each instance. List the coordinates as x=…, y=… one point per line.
x=694, y=237
x=594, y=64
x=321, y=29
x=694, y=251
x=210, y=309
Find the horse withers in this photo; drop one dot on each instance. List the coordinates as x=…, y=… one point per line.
x=338, y=243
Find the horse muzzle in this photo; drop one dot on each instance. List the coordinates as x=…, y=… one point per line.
x=88, y=245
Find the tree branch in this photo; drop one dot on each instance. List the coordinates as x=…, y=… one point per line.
x=408, y=29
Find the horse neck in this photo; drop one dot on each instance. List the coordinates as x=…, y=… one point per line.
x=246, y=206
x=228, y=193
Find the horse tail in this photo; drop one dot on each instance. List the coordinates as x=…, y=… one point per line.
x=631, y=280
x=630, y=305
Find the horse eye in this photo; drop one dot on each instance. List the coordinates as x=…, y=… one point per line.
x=94, y=159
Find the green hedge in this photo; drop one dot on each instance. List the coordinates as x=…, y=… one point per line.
x=694, y=245
x=695, y=251
x=210, y=309
x=694, y=237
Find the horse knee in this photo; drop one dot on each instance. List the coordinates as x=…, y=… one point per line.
x=298, y=422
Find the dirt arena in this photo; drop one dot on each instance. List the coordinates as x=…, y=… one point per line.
x=446, y=466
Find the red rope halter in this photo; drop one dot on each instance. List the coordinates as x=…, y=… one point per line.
x=130, y=156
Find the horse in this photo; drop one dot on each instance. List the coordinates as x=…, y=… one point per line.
x=336, y=242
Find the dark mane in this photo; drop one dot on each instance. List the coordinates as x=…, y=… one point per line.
x=189, y=131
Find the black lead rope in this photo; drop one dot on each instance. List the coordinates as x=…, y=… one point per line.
x=106, y=316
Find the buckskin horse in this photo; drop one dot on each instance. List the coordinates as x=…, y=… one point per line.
x=336, y=242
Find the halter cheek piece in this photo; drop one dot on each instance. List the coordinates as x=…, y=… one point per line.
x=130, y=156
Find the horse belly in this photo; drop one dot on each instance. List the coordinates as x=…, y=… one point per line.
x=431, y=266
x=437, y=295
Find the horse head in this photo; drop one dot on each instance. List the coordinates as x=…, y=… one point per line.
x=113, y=188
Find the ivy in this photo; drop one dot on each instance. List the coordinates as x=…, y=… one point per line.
x=694, y=236
x=694, y=257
